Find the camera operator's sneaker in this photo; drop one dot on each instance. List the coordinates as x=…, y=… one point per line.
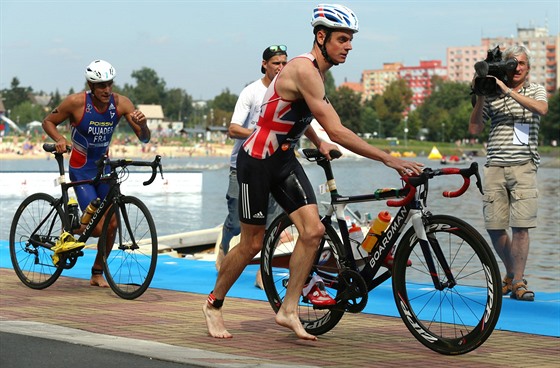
x=65, y=243
x=316, y=294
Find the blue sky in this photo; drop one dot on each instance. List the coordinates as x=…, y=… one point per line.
x=204, y=47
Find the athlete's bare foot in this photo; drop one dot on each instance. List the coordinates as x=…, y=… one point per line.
x=293, y=323
x=98, y=280
x=215, y=322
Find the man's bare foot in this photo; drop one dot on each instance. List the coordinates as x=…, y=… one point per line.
x=215, y=322
x=293, y=323
x=98, y=280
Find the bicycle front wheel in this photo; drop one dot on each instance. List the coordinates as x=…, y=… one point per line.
x=130, y=247
x=37, y=221
x=279, y=242
x=454, y=310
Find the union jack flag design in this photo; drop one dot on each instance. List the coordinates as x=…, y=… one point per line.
x=281, y=123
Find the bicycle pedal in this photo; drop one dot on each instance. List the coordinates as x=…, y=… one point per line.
x=67, y=243
x=69, y=248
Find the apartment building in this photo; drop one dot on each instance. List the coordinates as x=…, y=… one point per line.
x=375, y=81
x=419, y=79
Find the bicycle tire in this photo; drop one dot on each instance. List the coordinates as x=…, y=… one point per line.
x=275, y=272
x=433, y=316
x=129, y=268
x=33, y=264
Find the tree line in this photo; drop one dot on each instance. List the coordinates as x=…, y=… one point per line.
x=443, y=116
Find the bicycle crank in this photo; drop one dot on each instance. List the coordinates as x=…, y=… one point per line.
x=67, y=260
x=353, y=291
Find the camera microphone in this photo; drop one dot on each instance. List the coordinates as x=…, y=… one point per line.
x=481, y=68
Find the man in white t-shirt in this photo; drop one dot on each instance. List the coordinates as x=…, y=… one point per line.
x=243, y=121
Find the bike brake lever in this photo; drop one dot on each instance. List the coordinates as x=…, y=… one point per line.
x=478, y=181
x=424, y=194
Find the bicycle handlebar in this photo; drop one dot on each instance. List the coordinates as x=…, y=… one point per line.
x=113, y=164
x=412, y=182
x=124, y=162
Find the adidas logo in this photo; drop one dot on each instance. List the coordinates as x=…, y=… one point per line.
x=258, y=215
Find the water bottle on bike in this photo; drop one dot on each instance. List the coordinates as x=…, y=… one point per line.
x=90, y=210
x=74, y=213
x=356, y=236
x=378, y=226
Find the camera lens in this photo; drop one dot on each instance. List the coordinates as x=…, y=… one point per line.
x=511, y=64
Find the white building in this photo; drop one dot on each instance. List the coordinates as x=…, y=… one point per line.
x=154, y=115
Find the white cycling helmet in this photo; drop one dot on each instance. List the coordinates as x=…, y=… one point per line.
x=334, y=16
x=100, y=71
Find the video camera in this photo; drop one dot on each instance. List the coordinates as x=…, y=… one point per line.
x=495, y=66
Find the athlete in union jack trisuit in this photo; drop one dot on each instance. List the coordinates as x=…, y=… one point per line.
x=267, y=165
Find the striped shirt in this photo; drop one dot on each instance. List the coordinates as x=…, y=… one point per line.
x=504, y=112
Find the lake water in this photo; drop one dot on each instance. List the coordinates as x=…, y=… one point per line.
x=202, y=205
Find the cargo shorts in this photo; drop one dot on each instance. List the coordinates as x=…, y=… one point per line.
x=510, y=196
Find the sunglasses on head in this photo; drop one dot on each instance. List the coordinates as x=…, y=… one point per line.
x=276, y=48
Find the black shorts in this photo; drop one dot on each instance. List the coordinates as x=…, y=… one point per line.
x=280, y=175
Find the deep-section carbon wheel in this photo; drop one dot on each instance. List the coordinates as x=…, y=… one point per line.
x=458, y=311
x=279, y=243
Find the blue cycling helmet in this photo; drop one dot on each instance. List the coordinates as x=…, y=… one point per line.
x=335, y=16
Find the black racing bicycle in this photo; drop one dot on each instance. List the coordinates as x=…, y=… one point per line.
x=128, y=240
x=445, y=278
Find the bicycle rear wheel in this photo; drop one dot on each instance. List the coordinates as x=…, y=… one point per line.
x=36, y=221
x=457, y=317
x=130, y=260
x=279, y=243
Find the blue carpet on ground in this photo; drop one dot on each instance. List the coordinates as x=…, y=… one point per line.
x=541, y=317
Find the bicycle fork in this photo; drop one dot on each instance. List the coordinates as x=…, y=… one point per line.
x=428, y=243
x=123, y=222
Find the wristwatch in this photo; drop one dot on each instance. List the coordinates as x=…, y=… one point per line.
x=508, y=92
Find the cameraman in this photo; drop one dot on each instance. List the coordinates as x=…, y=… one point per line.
x=510, y=173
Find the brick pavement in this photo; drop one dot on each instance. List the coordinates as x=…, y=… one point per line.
x=175, y=318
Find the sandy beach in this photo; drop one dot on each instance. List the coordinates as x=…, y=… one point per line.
x=25, y=150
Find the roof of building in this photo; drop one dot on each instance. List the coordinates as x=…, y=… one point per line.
x=151, y=111
x=354, y=86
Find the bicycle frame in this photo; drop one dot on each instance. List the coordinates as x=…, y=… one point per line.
x=443, y=272
x=411, y=210
x=42, y=244
x=114, y=193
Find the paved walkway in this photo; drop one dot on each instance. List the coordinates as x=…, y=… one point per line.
x=169, y=325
